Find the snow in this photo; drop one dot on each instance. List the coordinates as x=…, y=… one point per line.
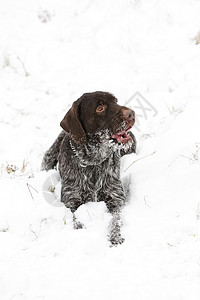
x=51, y=52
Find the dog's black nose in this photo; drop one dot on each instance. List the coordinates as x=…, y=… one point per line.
x=128, y=114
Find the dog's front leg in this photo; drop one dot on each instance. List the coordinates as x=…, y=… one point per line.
x=77, y=224
x=115, y=200
x=115, y=230
x=72, y=200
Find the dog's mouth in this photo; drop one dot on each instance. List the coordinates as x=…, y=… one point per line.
x=122, y=136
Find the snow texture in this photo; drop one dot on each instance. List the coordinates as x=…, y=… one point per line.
x=51, y=52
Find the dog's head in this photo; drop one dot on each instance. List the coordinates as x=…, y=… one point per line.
x=98, y=112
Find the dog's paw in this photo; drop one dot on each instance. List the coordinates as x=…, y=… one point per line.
x=77, y=224
x=115, y=243
x=116, y=240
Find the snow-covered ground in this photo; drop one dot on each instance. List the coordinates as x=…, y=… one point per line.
x=53, y=51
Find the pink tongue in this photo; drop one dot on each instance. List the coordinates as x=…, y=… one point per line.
x=119, y=137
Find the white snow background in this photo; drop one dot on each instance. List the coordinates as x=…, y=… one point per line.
x=51, y=52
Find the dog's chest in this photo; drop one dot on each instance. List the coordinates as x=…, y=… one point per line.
x=95, y=177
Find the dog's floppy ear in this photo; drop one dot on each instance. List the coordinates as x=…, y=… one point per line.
x=72, y=124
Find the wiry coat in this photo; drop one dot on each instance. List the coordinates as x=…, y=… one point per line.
x=89, y=162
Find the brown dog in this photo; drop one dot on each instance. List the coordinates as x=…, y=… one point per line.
x=96, y=134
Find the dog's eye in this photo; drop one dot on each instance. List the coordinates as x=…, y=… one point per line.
x=100, y=108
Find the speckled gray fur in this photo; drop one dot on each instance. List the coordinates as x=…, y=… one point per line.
x=91, y=172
